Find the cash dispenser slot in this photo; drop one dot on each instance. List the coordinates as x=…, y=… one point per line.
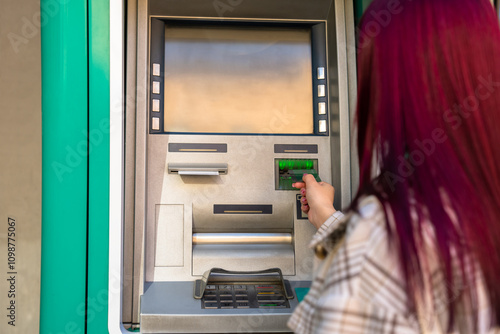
x=195, y=169
x=243, y=237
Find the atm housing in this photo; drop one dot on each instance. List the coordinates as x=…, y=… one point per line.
x=227, y=112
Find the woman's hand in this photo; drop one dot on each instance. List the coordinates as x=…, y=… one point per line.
x=317, y=199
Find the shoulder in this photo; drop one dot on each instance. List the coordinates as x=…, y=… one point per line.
x=367, y=221
x=367, y=260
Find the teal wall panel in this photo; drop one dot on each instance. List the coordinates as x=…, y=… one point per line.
x=64, y=168
x=97, y=320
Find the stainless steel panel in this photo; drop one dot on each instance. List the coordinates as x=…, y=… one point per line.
x=250, y=180
x=335, y=23
x=247, y=157
x=200, y=169
x=129, y=168
x=344, y=102
x=241, y=238
x=352, y=90
x=244, y=257
x=170, y=235
x=141, y=102
x=261, y=9
x=166, y=310
x=204, y=220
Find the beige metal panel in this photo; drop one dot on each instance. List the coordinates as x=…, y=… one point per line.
x=141, y=92
x=205, y=220
x=249, y=180
x=20, y=170
x=338, y=40
x=260, y=9
x=244, y=257
x=201, y=190
x=129, y=182
x=352, y=92
x=169, y=235
x=241, y=238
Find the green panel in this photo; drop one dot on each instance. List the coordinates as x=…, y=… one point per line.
x=289, y=171
x=97, y=321
x=301, y=293
x=64, y=167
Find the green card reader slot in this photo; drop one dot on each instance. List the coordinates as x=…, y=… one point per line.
x=289, y=171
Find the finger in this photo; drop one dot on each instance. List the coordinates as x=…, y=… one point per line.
x=304, y=208
x=303, y=200
x=308, y=179
x=299, y=185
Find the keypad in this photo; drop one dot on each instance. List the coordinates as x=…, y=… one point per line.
x=231, y=296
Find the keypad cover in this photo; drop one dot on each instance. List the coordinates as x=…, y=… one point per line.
x=241, y=296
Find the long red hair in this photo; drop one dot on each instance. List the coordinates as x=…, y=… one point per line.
x=428, y=122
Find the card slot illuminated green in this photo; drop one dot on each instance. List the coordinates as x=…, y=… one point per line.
x=289, y=171
x=296, y=174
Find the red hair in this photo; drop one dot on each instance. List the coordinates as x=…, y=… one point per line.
x=429, y=119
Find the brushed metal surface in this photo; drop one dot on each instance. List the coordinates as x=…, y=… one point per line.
x=250, y=161
x=259, y=9
x=344, y=101
x=204, y=219
x=250, y=180
x=185, y=315
x=200, y=169
x=241, y=238
x=352, y=92
x=169, y=236
x=243, y=257
x=141, y=92
x=130, y=161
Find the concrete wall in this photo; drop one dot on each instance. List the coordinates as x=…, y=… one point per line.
x=20, y=164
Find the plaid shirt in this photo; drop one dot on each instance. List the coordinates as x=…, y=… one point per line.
x=361, y=288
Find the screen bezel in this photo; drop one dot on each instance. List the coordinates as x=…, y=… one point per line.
x=318, y=59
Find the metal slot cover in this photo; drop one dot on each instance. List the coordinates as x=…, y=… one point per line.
x=241, y=238
x=197, y=169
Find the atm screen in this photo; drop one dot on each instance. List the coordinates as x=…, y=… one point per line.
x=237, y=79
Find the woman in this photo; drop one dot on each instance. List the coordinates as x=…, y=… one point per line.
x=419, y=248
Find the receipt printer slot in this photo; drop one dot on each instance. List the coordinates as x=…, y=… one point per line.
x=197, y=169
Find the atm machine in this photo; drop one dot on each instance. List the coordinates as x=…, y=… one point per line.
x=227, y=103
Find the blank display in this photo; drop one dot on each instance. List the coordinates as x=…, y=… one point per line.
x=230, y=79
